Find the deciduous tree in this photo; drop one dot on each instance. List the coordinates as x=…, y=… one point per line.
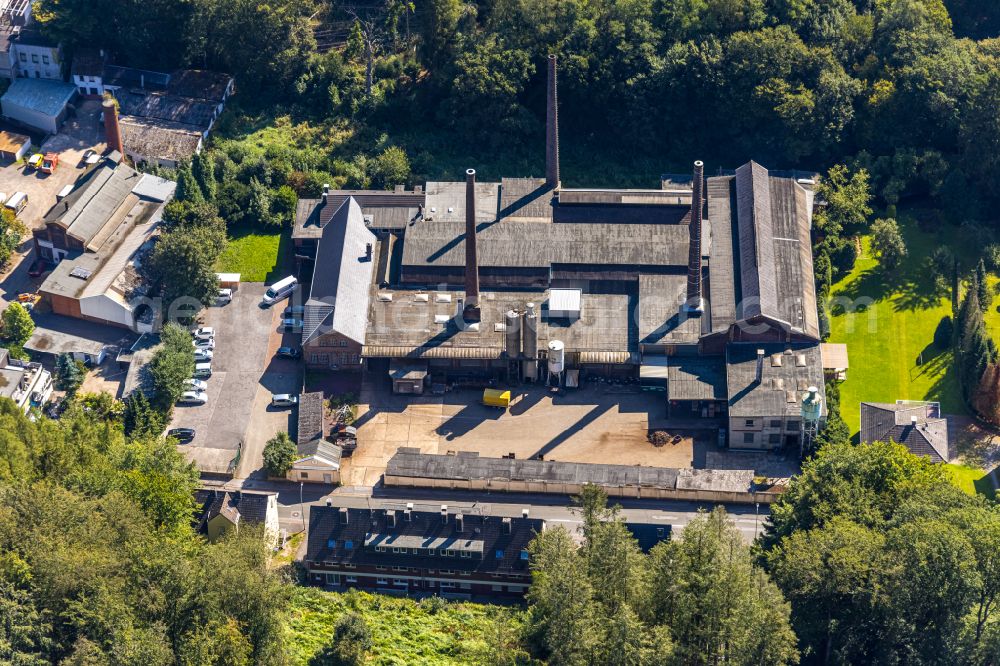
x=279, y=454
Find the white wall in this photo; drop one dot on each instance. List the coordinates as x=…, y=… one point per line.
x=30, y=117
x=103, y=307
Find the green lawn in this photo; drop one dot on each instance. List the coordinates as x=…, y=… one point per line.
x=972, y=480
x=257, y=255
x=403, y=630
x=890, y=343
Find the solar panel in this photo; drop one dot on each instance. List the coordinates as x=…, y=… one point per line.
x=79, y=272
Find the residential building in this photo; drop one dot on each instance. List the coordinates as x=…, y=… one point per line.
x=420, y=551
x=38, y=104
x=919, y=426
x=527, y=280
x=97, y=236
x=28, y=384
x=37, y=56
x=87, y=72
x=220, y=512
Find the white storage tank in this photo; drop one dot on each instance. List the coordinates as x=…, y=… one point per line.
x=557, y=356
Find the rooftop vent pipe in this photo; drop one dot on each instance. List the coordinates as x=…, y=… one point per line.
x=695, y=304
x=471, y=256
x=552, y=128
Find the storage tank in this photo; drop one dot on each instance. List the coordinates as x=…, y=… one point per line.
x=557, y=356
x=512, y=333
x=812, y=406
x=530, y=333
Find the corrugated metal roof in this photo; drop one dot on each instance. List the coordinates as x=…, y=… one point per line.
x=395, y=351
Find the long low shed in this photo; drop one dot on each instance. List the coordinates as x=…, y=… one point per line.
x=466, y=470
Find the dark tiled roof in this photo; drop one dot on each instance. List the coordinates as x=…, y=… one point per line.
x=128, y=77
x=174, y=108
x=331, y=540
x=788, y=370
x=761, y=261
x=238, y=506
x=199, y=84
x=696, y=378
x=310, y=418
x=87, y=62
x=883, y=422
x=338, y=300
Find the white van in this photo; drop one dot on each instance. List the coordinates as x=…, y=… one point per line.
x=17, y=202
x=280, y=290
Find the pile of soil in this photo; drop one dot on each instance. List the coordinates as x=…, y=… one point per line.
x=659, y=438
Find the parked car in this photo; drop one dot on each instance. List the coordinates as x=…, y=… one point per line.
x=293, y=311
x=193, y=398
x=203, y=332
x=35, y=160
x=90, y=157
x=225, y=296
x=283, y=400
x=289, y=352
x=182, y=435
x=17, y=202
x=279, y=290
x=202, y=370
x=37, y=268
x=292, y=324
x=202, y=355
x=203, y=343
x=196, y=384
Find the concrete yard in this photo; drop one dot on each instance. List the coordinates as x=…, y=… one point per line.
x=592, y=424
x=243, y=337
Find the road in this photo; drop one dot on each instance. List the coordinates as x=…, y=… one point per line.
x=553, y=508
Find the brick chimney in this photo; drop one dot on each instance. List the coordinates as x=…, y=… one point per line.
x=552, y=129
x=695, y=304
x=471, y=311
x=111, y=127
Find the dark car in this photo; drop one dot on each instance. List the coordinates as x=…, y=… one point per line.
x=291, y=324
x=293, y=311
x=181, y=434
x=289, y=352
x=38, y=268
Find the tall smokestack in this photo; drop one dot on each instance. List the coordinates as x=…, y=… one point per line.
x=552, y=129
x=111, y=128
x=695, y=304
x=471, y=256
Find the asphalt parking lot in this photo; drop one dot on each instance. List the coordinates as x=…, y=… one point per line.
x=243, y=333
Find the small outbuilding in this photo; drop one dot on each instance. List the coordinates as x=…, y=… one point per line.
x=37, y=103
x=13, y=146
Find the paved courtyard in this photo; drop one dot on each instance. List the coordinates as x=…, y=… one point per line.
x=241, y=378
x=593, y=424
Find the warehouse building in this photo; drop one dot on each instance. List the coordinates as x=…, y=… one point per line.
x=703, y=288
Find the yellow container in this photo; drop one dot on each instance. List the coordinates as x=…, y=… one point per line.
x=496, y=398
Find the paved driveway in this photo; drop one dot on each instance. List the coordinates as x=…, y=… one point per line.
x=243, y=332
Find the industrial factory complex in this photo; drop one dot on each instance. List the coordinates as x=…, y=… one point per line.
x=703, y=288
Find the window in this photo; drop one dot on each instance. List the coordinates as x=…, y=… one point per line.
x=303, y=475
x=449, y=553
x=381, y=581
x=45, y=59
x=83, y=91
x=775, y=423
x=319, y=358
x=659, y=532
x=748, y=438
x=498, y=588
x=400, y=569
x=524, y=554
x=398, y=550
x=464, y=573
x=24, y=57
x=446, y=572
x=416, y=551
x=748, y=423
x=499, y=554
x=381, y=567
x=34, y=58
x=399, y=582
x=793, y=424
x=379, y=549
x=774, y=438
x=331, y=543
x=445, y=585
x=349, y=566
x=466, y=553
x=351, y=579
x=349, y=545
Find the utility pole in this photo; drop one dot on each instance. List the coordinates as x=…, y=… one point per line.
x=302, y=511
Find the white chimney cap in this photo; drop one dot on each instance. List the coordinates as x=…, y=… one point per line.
x=913, y=420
